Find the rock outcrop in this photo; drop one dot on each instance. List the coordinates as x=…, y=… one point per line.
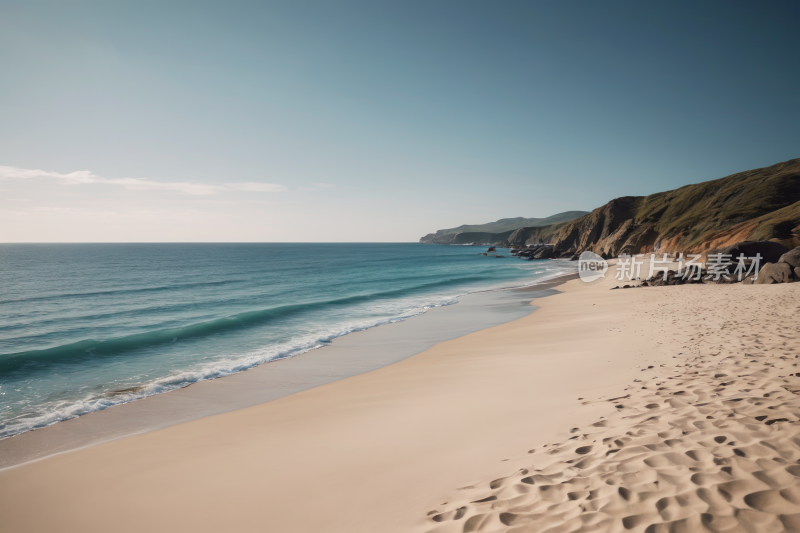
x=537, y=251
x=774, y=273
x=792, y=258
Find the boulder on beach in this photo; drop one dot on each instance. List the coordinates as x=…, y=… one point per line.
x=774, y=273
x=770, y=251
x=792, y=258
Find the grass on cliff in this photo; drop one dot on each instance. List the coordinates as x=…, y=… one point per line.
x=701, y=210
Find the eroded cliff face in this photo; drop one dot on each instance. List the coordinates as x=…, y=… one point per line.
x=760, y=204
x=610, y=230
x=540, y=235
x=607, y=230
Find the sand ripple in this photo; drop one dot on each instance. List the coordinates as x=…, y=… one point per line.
x=710, y=444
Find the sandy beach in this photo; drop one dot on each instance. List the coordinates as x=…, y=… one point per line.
x=399, y=267
x=650, y=409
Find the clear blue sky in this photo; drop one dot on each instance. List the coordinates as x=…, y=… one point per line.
x=375, y=121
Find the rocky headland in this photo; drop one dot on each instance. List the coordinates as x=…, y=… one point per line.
x=755, y=205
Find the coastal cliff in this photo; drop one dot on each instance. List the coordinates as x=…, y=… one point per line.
x=760, y=204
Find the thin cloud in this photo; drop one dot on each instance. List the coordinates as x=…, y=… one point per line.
x=75, y=211
x=317, y=186
x=257, y=187
x=82, y=177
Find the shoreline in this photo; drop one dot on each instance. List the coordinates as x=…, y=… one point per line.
x=601, y=408
x=372, y=452
x=344, y=357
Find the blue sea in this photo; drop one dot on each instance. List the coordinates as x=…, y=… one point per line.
x=87, y=326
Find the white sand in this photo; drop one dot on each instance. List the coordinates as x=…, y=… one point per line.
x=410, y=446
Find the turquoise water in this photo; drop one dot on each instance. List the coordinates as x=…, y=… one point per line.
x=87, y=326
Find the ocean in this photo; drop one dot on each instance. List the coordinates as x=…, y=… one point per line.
x=87, y=326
